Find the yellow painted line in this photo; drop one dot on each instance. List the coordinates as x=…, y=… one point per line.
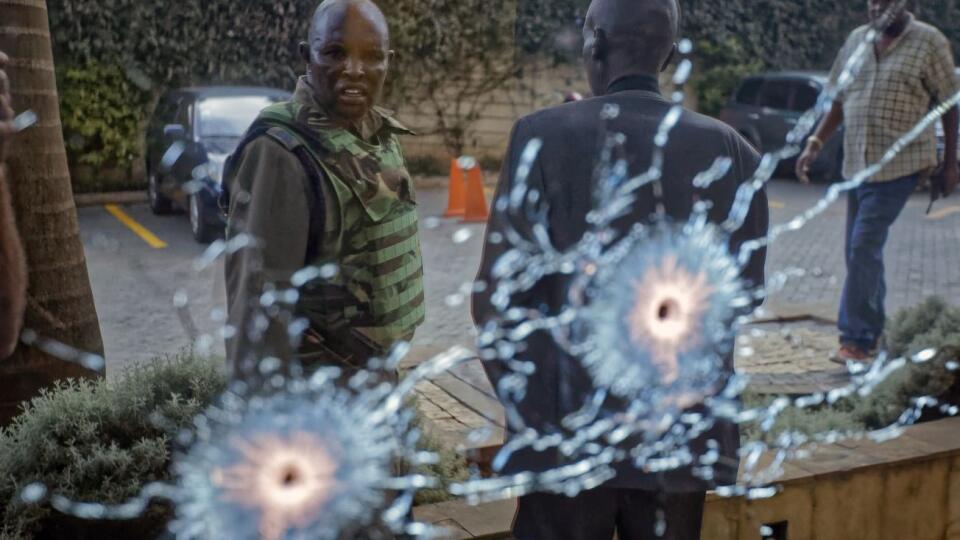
x=944, y=212
x=776, y=205
x=137, y=228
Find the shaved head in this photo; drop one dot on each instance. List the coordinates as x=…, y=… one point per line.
x=336, y=10
x=347, y=55
x=643, y=22
x=629, y=36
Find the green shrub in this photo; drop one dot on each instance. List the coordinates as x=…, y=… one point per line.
x=95, y=441
x=931, y=324
x=101, y=441
x=102, y=113
x=721, y=66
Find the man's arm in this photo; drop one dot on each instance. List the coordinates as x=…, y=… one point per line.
x=495, y=242
x=13, y=272
x=757, y=223
x=827, y=127
x=951, y=175
x=940, y=80
x=268, y=201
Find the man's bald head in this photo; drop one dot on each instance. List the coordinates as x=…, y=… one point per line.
x=627, y=37
x=330, y=12
x=347, y=55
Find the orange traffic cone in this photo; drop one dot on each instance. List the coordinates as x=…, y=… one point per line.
x=457, y=193
x=476, y=211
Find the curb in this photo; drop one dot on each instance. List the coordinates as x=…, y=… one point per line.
x=115, y=197
x=425, y=183
x=464, y=521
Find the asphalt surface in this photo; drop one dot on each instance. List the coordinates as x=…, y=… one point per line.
x=138, y=288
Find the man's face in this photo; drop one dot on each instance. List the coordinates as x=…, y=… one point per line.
x=348, y=63
x=877, y=8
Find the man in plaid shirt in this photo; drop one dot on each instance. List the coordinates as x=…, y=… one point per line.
x=909, y=69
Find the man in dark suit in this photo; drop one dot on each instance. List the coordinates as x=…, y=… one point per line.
x=627, y=43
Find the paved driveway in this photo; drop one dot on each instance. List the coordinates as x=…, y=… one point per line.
x=156, y=301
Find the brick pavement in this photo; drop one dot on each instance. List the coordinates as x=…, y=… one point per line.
x=922, y=257
x=793, y=358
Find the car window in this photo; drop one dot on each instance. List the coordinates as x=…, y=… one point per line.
x=166, y=110
x=776, y=95
x=229, y=116
x=805, y=96
x=748, y=92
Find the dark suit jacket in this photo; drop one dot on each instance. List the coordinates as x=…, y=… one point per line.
x=572, y=136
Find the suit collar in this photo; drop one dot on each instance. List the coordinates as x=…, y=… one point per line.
x=647, y=83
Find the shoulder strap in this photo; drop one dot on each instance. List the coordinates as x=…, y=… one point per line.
x=296, y=146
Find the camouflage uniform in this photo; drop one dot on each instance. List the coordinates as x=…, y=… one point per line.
x=312, y=193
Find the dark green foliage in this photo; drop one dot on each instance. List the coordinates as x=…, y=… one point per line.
x=95, y=441
x=103, y=115
x=185, y=41
x=103, y=441
x=720, y=67
x=930, y=325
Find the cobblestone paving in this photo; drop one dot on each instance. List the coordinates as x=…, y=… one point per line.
x=922, y=256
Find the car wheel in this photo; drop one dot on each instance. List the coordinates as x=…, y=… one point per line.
x=202, y=231
x=159, y=204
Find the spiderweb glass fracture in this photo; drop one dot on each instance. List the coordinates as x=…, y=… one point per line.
x=242, y=472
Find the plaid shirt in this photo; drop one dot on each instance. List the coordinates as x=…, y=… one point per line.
x=890, y=95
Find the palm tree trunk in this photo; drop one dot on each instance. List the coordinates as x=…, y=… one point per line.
x=60, y=302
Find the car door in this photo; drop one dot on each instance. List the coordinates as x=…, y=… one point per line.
x=776, y=117
x=189, y=152
x=742, y=111
x=164, y=114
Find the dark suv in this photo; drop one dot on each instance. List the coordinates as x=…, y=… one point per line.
x=190, y=135
x=766, y=107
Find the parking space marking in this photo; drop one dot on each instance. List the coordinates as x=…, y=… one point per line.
x=137, y=228
x=943, y=212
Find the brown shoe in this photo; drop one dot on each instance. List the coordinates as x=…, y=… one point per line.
x=850, y=353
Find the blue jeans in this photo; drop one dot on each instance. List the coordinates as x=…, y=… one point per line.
x=871, y=210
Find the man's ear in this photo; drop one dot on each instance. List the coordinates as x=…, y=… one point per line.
x=305, y=51
x=600, y=44
x=670, y=57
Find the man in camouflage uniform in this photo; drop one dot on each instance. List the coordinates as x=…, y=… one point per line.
x=334, y=274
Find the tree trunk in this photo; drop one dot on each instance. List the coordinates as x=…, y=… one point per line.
x=60, y=302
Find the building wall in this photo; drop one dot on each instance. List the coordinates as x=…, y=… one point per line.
x=544, y=86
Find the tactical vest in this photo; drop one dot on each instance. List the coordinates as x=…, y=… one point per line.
x=378, y=287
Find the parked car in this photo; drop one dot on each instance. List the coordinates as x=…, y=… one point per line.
x=189, y=137
x=766, y=107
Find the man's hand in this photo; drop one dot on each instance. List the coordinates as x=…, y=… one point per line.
x=804, y=162
x=6, y=109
